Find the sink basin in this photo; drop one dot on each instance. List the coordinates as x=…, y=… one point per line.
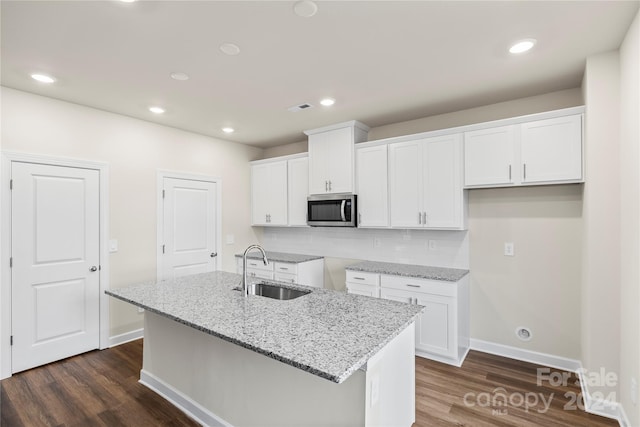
x=270, y=290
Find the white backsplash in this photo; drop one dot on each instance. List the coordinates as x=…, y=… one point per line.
x=401, y=246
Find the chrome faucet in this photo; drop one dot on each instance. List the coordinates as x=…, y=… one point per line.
x=245, y=288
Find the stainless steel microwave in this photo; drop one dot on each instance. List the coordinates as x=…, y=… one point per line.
x=332, y=210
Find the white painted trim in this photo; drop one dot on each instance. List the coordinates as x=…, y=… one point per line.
x=598, y=406
x=544, y=359
x=280, y=158
x=190, y=407
x=447, y=360
x=5, y=245
x=161, y=174
x=126, y=337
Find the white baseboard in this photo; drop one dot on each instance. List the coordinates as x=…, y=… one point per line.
x=599, y=406
x=193, y=409
x=591, y=405
x=453, y=362
x=544, y=359
x=126, y=337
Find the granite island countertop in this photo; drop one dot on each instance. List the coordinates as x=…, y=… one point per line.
x=327, y=333
x=410, y=270
x=281, y=257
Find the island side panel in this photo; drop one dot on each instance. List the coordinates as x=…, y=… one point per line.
x=240, y=387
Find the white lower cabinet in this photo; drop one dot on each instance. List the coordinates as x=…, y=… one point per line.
x=309, y=273
x=442, y=330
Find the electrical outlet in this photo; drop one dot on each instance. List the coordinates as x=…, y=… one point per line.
x=509, y=249
x=433, y=245
x=231, y=239
x=113, y=246
x=376, y=242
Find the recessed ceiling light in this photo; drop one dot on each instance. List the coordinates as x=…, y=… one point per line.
x=228, y=130
x=128, y=1
x=156, y=110
x=179, y=76
x=230, y=49
x=43, y=78
x=522, y=46
x=305, y=8
x=327, y=102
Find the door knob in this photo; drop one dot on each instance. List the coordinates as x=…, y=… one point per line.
x=213, y=254
x=93, y=268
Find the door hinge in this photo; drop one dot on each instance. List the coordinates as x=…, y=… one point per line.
x=162, y=248
x=163, y=194
x=11, y=262
x=11, y=340
x=10, y=184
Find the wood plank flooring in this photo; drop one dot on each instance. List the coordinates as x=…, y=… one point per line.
x=101, y=388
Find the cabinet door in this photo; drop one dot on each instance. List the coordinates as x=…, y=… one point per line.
x=442, y=186
x=318, y=154
x=259, y=194
x=552, y=150
x=269, y=193
x=405, y=184
x=339, y=161
x=277, y=193
x=371, y=183
x=298, y=181
x=489, y=156
x=436, y=329
x=366, y=290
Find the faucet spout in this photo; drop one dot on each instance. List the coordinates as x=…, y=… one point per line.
x=245, y=288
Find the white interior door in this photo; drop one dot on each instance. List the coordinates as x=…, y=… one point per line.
x=189, y=227
x=55, y=250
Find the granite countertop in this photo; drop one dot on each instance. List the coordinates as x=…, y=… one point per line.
x=327, y=333
x=410, y=270
x=281, y=257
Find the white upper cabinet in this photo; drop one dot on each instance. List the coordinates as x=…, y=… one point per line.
x=425, y=183
x=547, y=151
x=331, y=157
x=552, y=150
x=269, y=193
x=298, y=182
x=489, y=156
x=371, y=186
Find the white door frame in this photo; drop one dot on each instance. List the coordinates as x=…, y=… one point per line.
x=5, y=245
x=162, y=174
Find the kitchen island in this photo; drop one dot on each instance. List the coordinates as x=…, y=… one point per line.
x=325, y=358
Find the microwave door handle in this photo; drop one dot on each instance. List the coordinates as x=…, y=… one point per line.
x=343, y=214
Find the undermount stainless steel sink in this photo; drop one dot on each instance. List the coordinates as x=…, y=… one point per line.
x=274, y=291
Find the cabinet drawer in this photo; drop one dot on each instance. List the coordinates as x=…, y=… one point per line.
x=285, y=277
x=366, y=290
x=259, y=274
x=363, y=278
x=255, y=264
x=435, y=287
x=285, y=267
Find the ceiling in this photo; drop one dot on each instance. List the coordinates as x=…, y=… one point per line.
x=382, y=61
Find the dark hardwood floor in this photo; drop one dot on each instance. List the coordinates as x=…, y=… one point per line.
x=101, y=388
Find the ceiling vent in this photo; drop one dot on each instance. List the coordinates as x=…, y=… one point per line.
x=300, y=107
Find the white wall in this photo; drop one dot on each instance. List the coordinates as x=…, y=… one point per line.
x=344, y=246
x=134, y=150
x=601, y=216
x=630, y=219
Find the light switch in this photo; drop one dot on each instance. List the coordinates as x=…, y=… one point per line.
x=113, y=245
x=231, y=239
x=509, y=249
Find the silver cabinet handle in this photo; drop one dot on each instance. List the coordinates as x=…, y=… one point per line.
x=524, y=171
x=509, y=172
x=213, y=254
x=284, y=268
x=419, y=218
x=359, y=218
x=359, y=278
x=329, y=185
x=424, y=218
x=412, y=286
x=93, y=268
x=326, y=186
